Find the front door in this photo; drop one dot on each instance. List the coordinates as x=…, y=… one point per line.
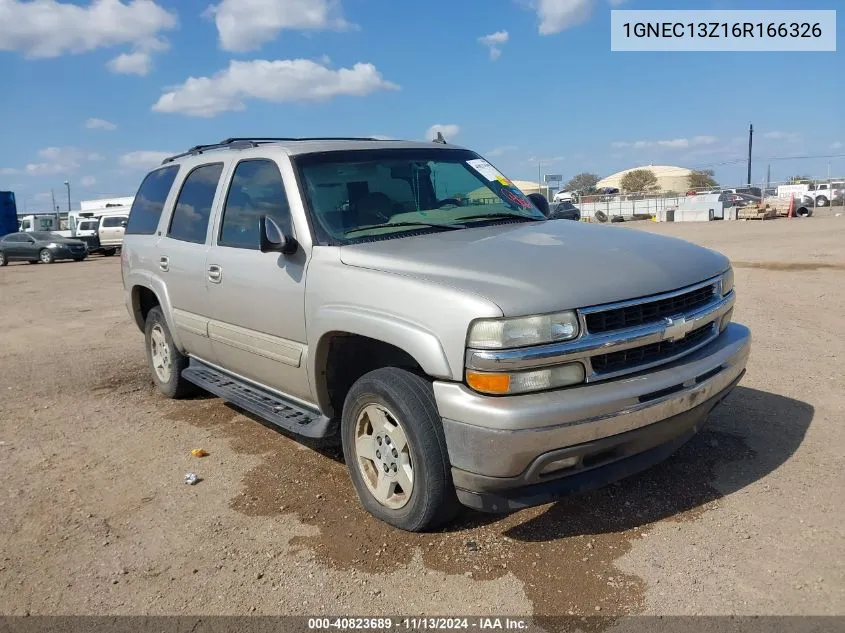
x=257, y=300
x=182, y=254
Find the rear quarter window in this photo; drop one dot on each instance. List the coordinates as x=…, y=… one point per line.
x=149, y=201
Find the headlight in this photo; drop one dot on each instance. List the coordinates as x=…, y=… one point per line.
x=526, y=381
x=522, y=331
x=727, y=282
x=52, y=245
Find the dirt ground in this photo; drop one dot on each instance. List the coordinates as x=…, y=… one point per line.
x=95, y=518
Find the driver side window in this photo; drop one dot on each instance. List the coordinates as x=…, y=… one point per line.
x=257, y=189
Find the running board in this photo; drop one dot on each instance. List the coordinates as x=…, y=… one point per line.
x=266, y=405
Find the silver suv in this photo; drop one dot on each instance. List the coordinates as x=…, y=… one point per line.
x=409, y=300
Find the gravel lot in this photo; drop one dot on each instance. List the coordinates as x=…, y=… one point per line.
x=746, y=519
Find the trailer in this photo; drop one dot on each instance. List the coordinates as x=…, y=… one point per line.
x=8, y=213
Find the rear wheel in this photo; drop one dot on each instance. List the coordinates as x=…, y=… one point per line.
x=46, y=257
x=821, y=201
x=166, y=361
x=395, y=450
x=109, y=252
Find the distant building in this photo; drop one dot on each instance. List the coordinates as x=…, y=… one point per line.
x=103, y=203
x=668, y=178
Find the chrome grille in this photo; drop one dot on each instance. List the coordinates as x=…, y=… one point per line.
x=630, y=359
x=648, y=311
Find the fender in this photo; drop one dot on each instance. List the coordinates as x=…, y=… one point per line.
x=144, y=279
x=413, y=338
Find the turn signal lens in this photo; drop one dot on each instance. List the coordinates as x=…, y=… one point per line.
x=489, y=383
x=526, y=381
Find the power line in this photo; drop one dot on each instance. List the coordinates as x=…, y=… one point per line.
x=736, y=161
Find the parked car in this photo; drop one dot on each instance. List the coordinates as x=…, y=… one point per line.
x=565, y=211
x=343, y=288
x=40, y=246
x=565, y=196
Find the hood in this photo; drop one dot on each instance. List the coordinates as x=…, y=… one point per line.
x=537, y=267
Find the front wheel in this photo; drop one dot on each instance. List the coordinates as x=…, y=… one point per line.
x=166, y=361
x=821, y=201
x=395, y=450
x=46, y=257
x=109, y=252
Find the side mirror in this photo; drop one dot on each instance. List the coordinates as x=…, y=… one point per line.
x=540, y=202
x=272, y=240
x=123, y=224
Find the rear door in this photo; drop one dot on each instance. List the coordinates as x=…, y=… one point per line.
x=182, y=255
x=18, y=246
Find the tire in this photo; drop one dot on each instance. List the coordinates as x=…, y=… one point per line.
x=3, y=260
x=45, y=256
x=109, y=252
x=157, y=339
x=79, y=259
x=821, y=201
x=32, y=261
x=804, y=212
x=601, y=216
x=395, y=403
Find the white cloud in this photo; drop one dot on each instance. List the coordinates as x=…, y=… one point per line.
x=137, y=63
x=244, y=25
x=276, y=81
x=88, y=181
x=448, y=130
x=675, y=143
x=144, y=159
x=500, y=151
x=494, y=43
x=837, y=145
x=778, y=135
x=558, y=15
x=56, y=160
x=46, y=28
x=99, y=124
x=545, y=160
x=9, y=171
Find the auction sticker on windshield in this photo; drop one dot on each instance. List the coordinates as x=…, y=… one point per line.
x=485, y=169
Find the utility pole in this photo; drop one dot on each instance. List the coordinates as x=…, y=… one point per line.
x=67, y=184
x=53, y=196
x=750, y=142
x=768, y=176
x=539, y=178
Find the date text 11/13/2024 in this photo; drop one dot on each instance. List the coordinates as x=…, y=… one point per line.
x=418, y=623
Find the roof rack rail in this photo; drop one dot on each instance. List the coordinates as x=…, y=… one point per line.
x=254, y=141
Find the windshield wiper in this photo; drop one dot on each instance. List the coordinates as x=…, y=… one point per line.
x=497, y=216
x=445, y=227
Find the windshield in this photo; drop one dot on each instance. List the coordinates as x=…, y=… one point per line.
x=87, y=226
x=362, y=195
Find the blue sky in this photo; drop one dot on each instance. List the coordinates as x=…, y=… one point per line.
x=96, y=92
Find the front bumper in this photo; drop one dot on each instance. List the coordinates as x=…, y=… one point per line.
x=500, y=446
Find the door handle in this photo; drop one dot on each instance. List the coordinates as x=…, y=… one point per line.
x=215, y=273
x=164, y=263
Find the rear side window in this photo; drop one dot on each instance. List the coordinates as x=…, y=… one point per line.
x=113, y=221
x=257, y=189
x=193, y=206
x=149, y=201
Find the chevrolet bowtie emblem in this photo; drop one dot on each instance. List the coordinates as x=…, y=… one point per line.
x=676, y=328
